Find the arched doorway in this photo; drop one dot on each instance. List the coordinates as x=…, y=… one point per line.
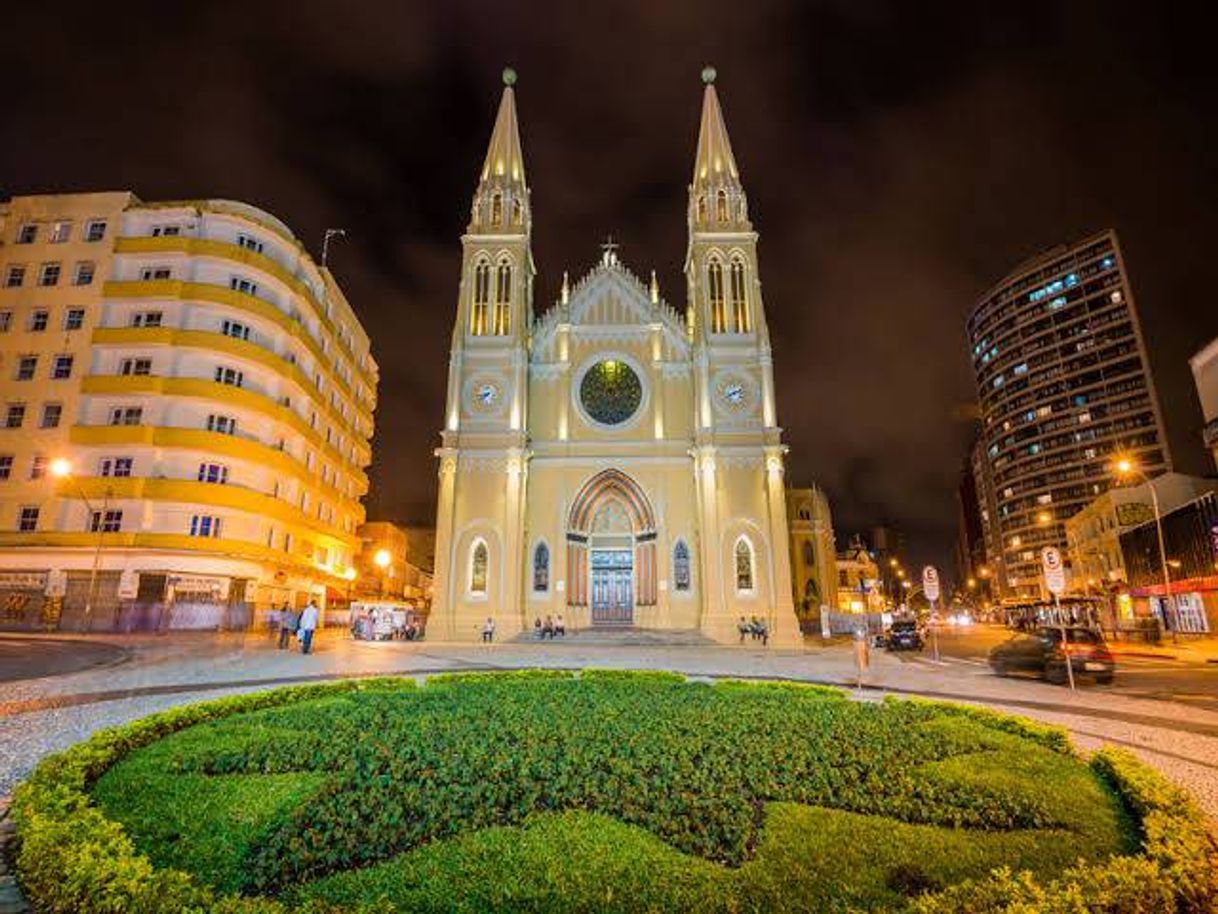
x=611, y=549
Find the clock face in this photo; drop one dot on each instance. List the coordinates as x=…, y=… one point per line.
x=487, y=394
x=733, y=393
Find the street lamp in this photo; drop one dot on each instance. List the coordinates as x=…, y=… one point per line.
x=1125, y=467
x=349, y=575
x=61, y=468
x=382, y=560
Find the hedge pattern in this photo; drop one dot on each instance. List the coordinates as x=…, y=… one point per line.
x=72, y=858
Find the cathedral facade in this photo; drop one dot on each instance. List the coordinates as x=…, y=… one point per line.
x=616, y=459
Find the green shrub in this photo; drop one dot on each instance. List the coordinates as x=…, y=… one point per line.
x=382, y=767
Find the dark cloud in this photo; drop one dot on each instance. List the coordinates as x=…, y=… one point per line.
x=900, y=157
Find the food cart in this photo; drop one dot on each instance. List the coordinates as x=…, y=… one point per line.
x=385, y=620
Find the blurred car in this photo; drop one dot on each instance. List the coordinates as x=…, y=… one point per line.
x=1040, y=653
x=904, y=635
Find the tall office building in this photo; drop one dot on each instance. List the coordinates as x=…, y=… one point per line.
x=185, y=414
x=1064, y=384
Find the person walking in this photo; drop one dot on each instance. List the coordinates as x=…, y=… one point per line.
x=488, y=630
x=560, y=627
x=289, y=621
x=308, y=623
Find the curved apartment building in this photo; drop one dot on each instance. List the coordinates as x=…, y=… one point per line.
x=1064, y=383
x=208, y=391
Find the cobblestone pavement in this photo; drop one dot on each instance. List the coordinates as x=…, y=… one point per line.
x=42, y=715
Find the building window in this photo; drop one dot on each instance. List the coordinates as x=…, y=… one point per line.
x=149, y=274
x=48, y=274
x=39, y=320
x=126, y=415
x=95, y=230
x=740, y=302
x=541, y=568
x=213, y=472
x=478, y=562
x=714, y=287
x=15, y=417
x=721, y=206
x=503, y=298
x=6, y=466
x=478, y=323
x=51, y=414
x=118, y=467
x=744, y=565
x=14, y=276
x=27, y=520
x=38, y=467
x=110, y=521
x=243, y=285
x=27, y=234
x=60, y=232
x=146, y=319
x=61, y=368
x=680, y=567
x=135, y=367
x=236, y=330
x=230, y=376
x=209, y=525
x=73, y=318
x=225, y=425
x=6, y=321
x=84, y=273
x=250, y=243
x=26, y=366
x=809, y=553
x=496, y=209
x=166, y=231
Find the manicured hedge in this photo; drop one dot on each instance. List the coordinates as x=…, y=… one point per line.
x=870, y=759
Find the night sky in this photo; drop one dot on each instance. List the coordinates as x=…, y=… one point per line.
x=899, y=158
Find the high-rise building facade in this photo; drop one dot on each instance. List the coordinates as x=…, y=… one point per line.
x=187, y=412
x=1064, y=384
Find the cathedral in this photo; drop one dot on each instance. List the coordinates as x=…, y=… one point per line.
x=614, y=459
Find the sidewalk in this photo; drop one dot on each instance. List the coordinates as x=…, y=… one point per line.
x=1189, y=649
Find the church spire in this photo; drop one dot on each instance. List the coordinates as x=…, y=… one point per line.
x=716, y=196
x=501, y=201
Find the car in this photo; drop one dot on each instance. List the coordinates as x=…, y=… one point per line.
x=1040, y=653
x=903, y=635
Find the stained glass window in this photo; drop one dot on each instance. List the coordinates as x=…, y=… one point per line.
x=680, y=566
x=714, y=287
x=744, y=565
x=611, y=392
x=541, y=568
x=740, y=301
x=477, y=568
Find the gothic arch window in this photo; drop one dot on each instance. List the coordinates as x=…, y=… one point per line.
x=496, y=209
x=744, y=565
x=503, y=297
x=541, y=568
x=805, y=513
x=721, y=206
x=680, y=567
x=479, y=561
x=809, y=554
x=701, y=207
x=714, y=288
x=479, y=318
x=740, y=300
x=517, y=213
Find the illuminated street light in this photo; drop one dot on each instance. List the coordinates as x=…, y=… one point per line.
x=61, y=468
x=1125, y=467
x=1044, y=518
x=382, y=560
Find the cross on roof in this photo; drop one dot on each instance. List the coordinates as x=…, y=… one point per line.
x=608, y=246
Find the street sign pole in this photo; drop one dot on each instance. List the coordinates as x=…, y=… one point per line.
x=1055, y=582
x=930, y=587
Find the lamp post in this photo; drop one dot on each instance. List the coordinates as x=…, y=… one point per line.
x=1125, y=467
x=382, y=560
x=61, y=468
x=349, y=576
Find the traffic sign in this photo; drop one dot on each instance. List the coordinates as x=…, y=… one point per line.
x=1055, y=572
x=930, y=583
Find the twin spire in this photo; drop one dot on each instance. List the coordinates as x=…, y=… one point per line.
x=717, y=200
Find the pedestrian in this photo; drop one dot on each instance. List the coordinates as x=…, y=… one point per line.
x=308, y=623
x=754, y=627
x=763, y=632
x=289, y=621
x=537, y=628
x=560, y=627
x=743, y=627
x=547, y=630
x=488, y=630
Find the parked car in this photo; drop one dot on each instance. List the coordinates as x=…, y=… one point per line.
x=904, y=635
x=1040, y=653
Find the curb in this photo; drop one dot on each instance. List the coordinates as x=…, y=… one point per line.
x=11, y=899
